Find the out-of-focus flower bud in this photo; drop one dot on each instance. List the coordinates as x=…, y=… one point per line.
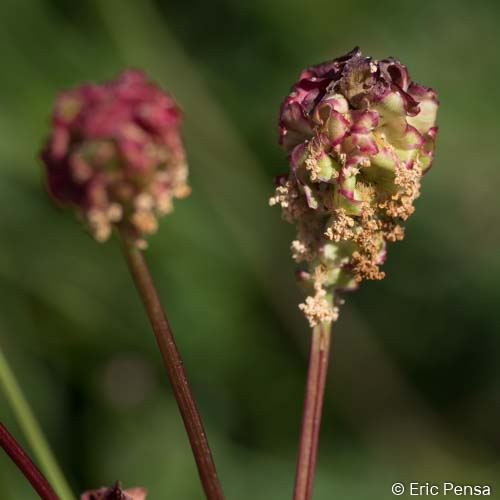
x=115, y=154
x=114, y=493
x=359, y=135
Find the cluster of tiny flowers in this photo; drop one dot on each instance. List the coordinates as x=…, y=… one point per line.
x=115, y=154
x=359, y=135
x=114, y=493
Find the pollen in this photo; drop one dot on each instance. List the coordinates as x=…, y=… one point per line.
x=357, y=141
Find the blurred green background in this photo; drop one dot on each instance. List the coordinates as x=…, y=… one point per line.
x=413, y=392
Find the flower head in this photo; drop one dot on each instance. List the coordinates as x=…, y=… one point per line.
x=114, y=493
x=115, y=154
x=359, y=134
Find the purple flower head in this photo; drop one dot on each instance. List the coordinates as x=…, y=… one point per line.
x=359, y=134
x=115, y=153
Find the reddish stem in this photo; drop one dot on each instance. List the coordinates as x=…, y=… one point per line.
x=313, y=406
x=173, y=365
x=25, y=465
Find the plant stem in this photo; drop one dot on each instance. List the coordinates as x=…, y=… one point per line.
x=313, y=405
x=173, y=365
x=32, y=430
x=25, y=465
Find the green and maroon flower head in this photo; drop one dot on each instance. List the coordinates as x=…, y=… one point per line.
x=359, y=135
x=115, y=154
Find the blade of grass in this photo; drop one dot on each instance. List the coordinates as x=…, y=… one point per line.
x=31, y=429
x=238, y=195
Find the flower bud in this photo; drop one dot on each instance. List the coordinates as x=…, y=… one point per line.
x=114, y=493
x=359, y=135
x=115, y=154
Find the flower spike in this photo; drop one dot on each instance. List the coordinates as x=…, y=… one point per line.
x=359, y=134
